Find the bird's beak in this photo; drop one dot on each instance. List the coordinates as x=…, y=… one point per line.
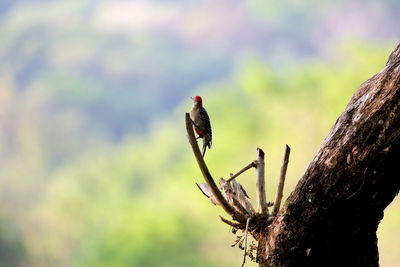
x=192, y=97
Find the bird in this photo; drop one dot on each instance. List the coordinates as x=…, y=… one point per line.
x=201, y=122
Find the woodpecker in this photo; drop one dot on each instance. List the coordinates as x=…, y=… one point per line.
x=201, y=122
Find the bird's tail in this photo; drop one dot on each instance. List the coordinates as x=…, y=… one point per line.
x=205, y=145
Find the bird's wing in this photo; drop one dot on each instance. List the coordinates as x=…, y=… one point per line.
x=207, y=124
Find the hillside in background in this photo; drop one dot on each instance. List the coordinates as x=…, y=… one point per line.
x=113, y=60
x=94, y=164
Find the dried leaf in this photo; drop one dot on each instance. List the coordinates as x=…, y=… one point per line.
x=205, y=189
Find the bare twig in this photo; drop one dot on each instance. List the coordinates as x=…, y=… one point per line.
x=237, y=188
x=204, y=170
x=245, y=241
x=279, y=191
x=260, y=183
x=233, y=224
x=251, y=165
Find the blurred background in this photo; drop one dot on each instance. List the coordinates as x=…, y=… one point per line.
x=95, y=166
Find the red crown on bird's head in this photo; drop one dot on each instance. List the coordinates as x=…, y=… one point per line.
x=198, y=99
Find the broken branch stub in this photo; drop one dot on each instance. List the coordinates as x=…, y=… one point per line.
x=260, y=182
x=281, y=183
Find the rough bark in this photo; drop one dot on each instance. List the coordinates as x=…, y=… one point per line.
x=331, y=217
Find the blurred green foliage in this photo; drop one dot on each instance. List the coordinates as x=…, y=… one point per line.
x=135, y=204
x=94, y=164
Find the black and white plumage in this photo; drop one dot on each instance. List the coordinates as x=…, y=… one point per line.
x=201, y=122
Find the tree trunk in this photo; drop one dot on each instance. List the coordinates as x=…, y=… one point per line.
x=331, y=217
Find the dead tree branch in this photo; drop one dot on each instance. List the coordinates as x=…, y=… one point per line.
x=260, y=183
x=245, y=241
x=204, y=170
x=279, y=191
x=253, y=164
